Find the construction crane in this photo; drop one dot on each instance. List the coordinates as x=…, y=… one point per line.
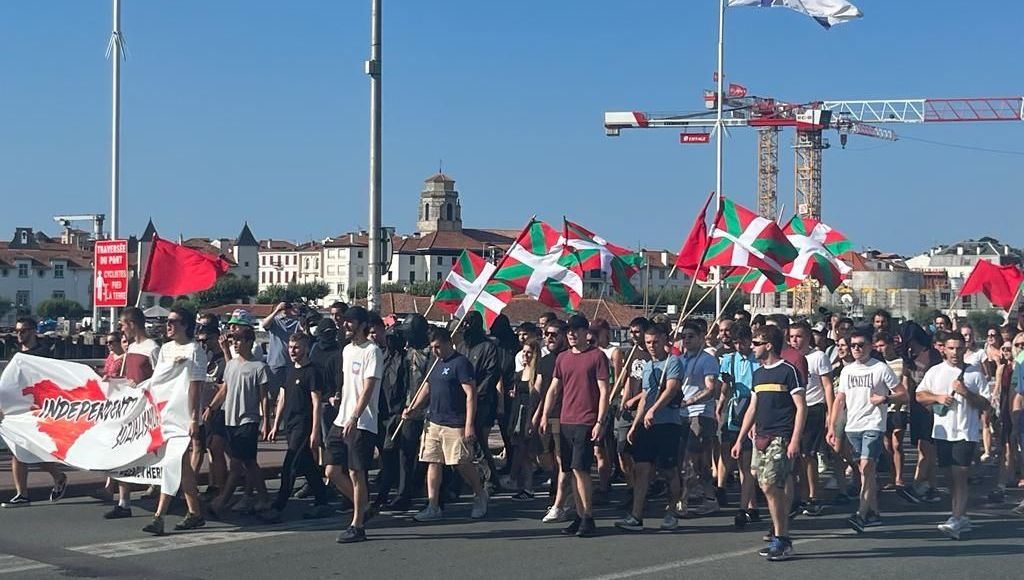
x=810, y=120
x=97, y=220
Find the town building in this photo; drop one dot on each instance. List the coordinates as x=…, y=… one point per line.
x=35, y=267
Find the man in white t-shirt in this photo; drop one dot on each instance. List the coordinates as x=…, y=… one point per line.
x=350, y=443
x=819, y=397
x=182, y=349
x=951, y=391
x=866, y=388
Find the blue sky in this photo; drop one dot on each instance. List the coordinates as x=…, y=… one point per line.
x=256, y=110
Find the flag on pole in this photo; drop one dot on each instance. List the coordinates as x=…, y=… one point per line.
x=173, y=270
x=595, y=253
x=819, y=245
x=469, y=287
x=691, y=256
x=833, y=241
x=540, y=267
x=1000, y=284
x=741, y=238
x=824, y=12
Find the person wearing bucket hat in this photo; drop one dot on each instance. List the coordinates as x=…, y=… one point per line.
x=241, y=317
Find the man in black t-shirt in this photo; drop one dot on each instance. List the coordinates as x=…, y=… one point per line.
x=557, y=342
x=298, y=412
x=778, y=410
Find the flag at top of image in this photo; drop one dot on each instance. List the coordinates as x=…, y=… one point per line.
x=469, y=287
x=824, y=12
x=596, y=253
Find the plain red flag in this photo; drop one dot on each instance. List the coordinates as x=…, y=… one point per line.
x=691, y=256
x=998, y=283
x=174, y=270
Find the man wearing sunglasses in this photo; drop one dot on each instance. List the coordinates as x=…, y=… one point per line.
x=867, y=387
x=556, y=342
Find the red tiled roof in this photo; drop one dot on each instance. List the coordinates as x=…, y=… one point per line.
x=855, y=260
x=45, y=253
x=284, y=245
x=205, y=246
x=467, y=239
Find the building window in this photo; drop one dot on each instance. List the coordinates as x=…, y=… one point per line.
x=438, y=276
x=661, y=274
x=58, y=295
x=4, y=272
x=412, y=277
x=923, y=300
x=294, y=274
x=21, y=300
x=58, y=270
x=777, y=300
x=965, y=302
x=247, y=264
x=40, y=272
x=426, y=211
x=448, y=212
x=412, y=260
x=789, y=299
x=23, y=270
x=389, y=276
x=944, y=297
x=24, y=237
x=305, y=263
x=439, y=258
x=359, y=254
x=263, y=260
x=453, y=261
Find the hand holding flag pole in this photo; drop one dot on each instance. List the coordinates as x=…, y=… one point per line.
x=462, y=319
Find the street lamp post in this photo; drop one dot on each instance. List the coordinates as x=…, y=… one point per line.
x=372, y=68
x=115, y=50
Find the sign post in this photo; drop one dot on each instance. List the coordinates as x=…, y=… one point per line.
x=110, y=277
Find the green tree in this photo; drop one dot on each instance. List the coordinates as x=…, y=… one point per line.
x=276, y=294
x=981, y=320
x=424, y=288
x=392, y=287
x=313, y=291
x=166, y=301
x=358, y=291
x=60, y=307
x=227, y=290
x=185, y=303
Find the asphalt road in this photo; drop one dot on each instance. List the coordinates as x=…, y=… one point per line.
x=70, y=539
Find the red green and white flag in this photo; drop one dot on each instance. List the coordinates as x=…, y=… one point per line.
x=541, y=267
x=741, y=238
x=830, y=239
x=469, y=287
x=819, y=245
x=595, y=253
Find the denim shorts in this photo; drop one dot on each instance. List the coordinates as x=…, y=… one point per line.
x=866, y=444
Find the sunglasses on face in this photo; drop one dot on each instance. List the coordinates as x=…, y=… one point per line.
x=858, y=345
x=549, y=333
x=758, y=342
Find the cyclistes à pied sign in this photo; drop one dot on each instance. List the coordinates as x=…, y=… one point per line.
x=111, y=270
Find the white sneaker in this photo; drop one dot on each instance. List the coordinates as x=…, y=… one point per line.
x=669, y=522
x=951, y=528
x=965, y=524
x=1019, y=510
x=555, y=514
x=479, y=505
x=429, y=514
x=244, y=505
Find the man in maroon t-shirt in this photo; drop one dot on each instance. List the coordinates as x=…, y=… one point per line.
x=581, y=379
x=790, y=354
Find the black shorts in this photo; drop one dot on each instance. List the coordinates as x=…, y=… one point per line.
x=896, y=421
x=729, y=439
x=703, y=431
x=955, y=453
x=355, y=453
x=921, y=423
x=577, y=450
x=215, y=426
x=812, y=440
x=243, y=441
x=658, y=445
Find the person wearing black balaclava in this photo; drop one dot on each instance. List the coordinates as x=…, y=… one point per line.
x=483, y=355
x=508, y=345
x=393, y=395
x=325, y=356
x=418, y=359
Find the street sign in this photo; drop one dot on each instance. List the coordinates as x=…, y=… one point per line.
x=110, y=288
x=695, y=138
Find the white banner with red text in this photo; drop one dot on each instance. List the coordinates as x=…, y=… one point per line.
x=63, y=412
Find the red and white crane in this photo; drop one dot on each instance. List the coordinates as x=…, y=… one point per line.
x=810, y=120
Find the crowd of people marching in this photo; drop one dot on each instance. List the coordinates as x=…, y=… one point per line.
x=781, y=410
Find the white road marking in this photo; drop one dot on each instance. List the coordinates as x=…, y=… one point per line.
x=10, y=564
x=690, y=562
x=199, y=538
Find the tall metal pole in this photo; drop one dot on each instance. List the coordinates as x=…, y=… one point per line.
x=115, y=49
x=720, y=135
x=373, y=69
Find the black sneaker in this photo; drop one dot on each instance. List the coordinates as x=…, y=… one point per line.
x=399, y=504
x=210, y=494
x=352, y=534
x=763, y=552
x=754, y=516
x=117, y=513
x=191, y=522
x=907, y=494
x=741, y=520
x=813, y=508
x=587, y=529
x=304, y=492
x=573, y=527
x=932, y=496
x=17, y=501
x=155, y=527
x=856, y=523
x=523, y=495
x=997, y=496
x=60, y=487
x=795, y=509
x=872, y=520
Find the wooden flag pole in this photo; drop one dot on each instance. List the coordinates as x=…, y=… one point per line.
x=462, y=319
